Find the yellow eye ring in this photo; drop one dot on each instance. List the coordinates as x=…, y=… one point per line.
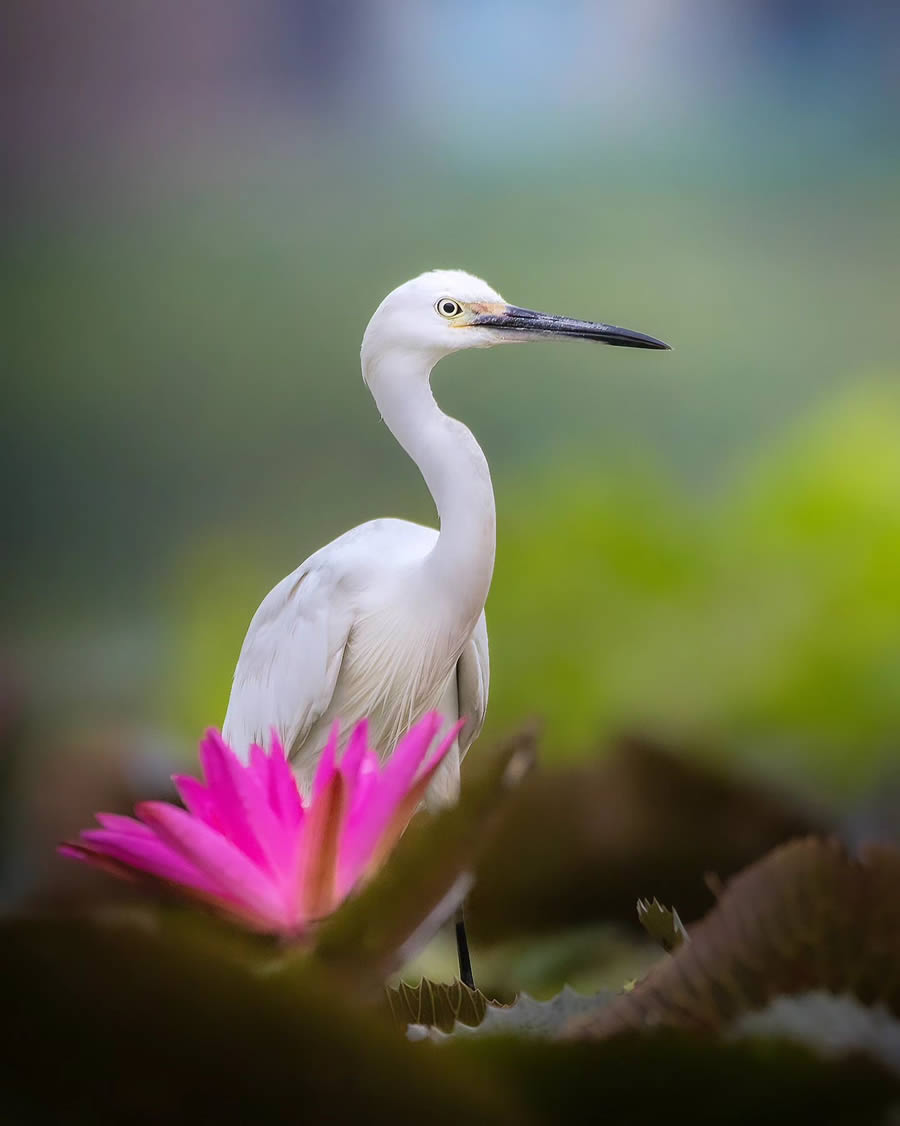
x=449, y=308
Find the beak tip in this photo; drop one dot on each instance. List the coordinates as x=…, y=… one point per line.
x=638, y=341
x=513, y=318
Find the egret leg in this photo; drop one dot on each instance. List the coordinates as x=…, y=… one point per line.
x=462, y=951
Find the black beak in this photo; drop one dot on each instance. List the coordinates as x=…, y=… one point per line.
x=531, y=325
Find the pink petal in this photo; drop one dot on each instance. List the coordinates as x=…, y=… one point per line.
x=243, y=811
x=445, y=744
x=259, y=764
x=359, y=766
x=326, y=767
x=353, y=758
x=372, y=817
x=400, y=817
x=248, y=846
x=277, y=831
x=407, y=756
x=366, y=780
x=317, y=883
x=149, y=854
x=96, y=859
x=228, y=866
x=124, y=866
x=123, y=825
x=197, y=798
x=284, y=797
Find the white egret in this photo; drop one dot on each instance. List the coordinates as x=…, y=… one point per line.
x=387, y=621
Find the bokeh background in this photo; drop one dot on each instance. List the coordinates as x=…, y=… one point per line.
x=206, y=202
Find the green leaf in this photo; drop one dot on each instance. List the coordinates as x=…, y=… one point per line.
x=436, y=1004
x=662, y=924
x=525, y=1017
x=807, y=917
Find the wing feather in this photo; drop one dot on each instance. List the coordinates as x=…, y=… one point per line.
x=289, y=673
x=290, y=660
x=473, y=676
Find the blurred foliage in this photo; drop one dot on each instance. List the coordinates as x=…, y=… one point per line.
x=384, y=926
x=769, y=617
x=700, y=548
x=642, y=1080
x=703, y=552
x=187, y=366
x=765, y=618
x=588, y=958
x=554, y=900
x=804, y=919
x=578, y=843
x=147, y=1027
x=177, y=1016
x=190, y=369
x=786, y=991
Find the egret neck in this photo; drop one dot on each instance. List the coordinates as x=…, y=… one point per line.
x=455, y=470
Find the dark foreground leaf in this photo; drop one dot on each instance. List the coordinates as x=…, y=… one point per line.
x=578, y=844
x=805, y=918
x=131, y=1023
x=126, y=1023
x=668, y=1076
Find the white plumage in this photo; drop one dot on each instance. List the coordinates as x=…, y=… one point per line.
x=387, y=621
x=338, y=639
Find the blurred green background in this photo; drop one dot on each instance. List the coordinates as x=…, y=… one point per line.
x=204, y=207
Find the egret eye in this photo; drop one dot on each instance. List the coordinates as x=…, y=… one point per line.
x=447, y=307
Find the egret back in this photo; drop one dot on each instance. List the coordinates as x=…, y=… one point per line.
x=347, y=635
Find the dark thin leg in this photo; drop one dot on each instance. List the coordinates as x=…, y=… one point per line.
x=462, y=950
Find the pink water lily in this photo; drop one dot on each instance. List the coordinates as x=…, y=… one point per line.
x=250, y=845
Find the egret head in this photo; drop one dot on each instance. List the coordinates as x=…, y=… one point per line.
x=444, y=311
